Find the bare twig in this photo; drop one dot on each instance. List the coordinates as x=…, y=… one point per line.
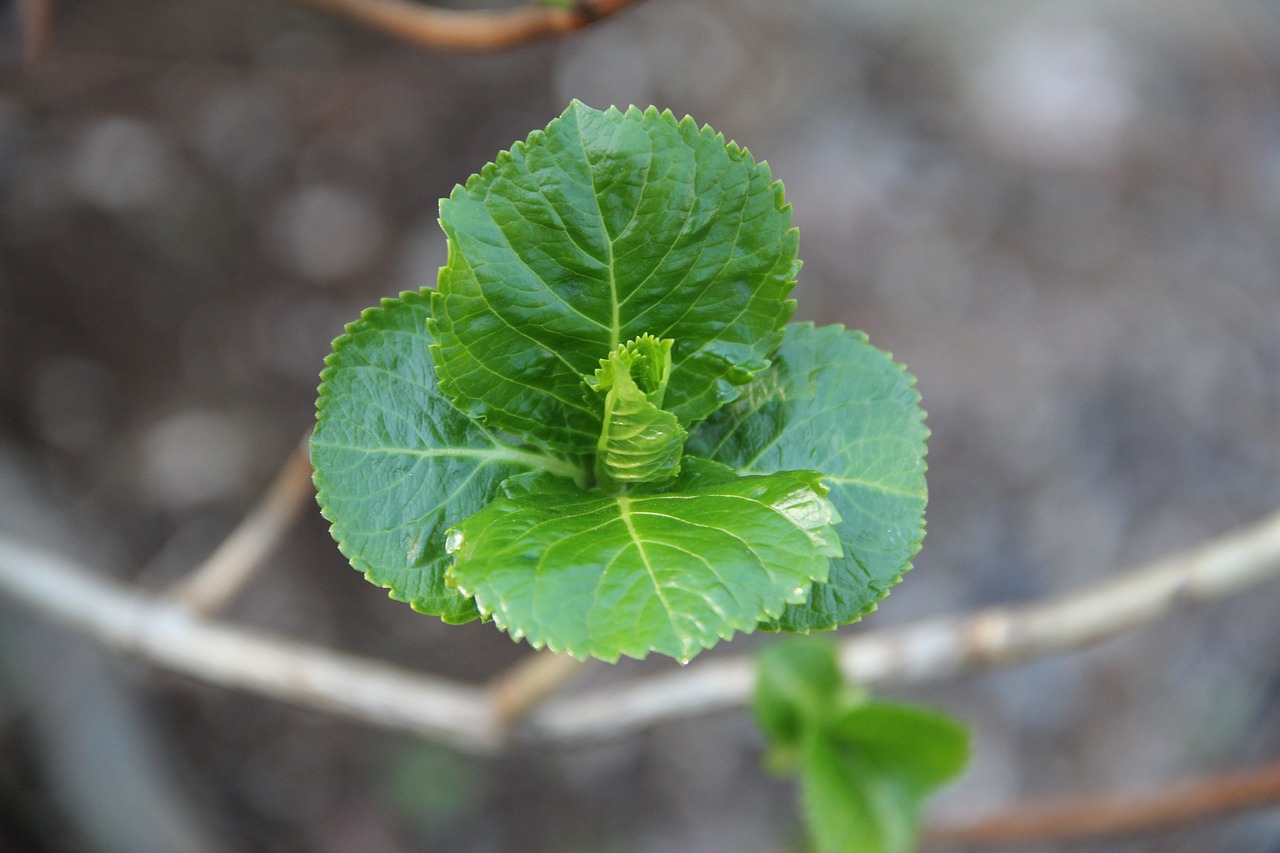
x=469, y=31
x=1109, y=816
x=536, y=677
x=217, y=580
x=36, y=18
x=942, y=647
x=467, y=717
x=1003, y=635
x=170, y=635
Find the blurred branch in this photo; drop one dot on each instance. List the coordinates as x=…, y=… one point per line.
x=465, y=717
x=942, y=647
x=36, y=17
x=1108, y=816
x=217, y=580
x=469, y=31
x=170, y=635
x=527, y=683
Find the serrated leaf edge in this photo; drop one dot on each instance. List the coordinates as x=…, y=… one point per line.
x=642, y=650
x=736, y=379
x=916, y=541
x=367, y=316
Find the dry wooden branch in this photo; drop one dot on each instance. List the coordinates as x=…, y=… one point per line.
x=1109, y=816
x=469, y=31
x=529, y=682
x=466, y=717
x=36, y=20
x=213, y=583
x=942, y=647
x=166, y=633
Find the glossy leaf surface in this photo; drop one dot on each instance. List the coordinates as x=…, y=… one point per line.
x=673, y=570
x=396, y=465
x=834, y=403
x=601, y=228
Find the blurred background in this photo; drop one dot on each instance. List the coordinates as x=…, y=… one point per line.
x=1064, y=217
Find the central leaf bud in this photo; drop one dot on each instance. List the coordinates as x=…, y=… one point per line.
x=640, y=442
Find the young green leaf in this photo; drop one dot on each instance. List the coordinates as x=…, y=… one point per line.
x=835, y=404
x=864, y=777
x=613, y=281
x=603, y=227
x=672, y=569
x=849, y=805
x=865, y=767
x=640, y=442
x=798, y=682
x=396, y=465
x=921, y=747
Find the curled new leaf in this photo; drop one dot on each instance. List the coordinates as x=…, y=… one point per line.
x=640, y=442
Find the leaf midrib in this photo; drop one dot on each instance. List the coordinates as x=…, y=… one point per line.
x=533, y=461
x=624, y=510
x=615, y=325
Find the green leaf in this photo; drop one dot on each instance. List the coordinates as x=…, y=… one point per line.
x=396, y=465
x=640, y=442
x=797, y=682
x=923, y=748
x=865, y=767
x=835, y=404
x=672, y=570
x=864, y=778
x=601, y=228
x=849, y=805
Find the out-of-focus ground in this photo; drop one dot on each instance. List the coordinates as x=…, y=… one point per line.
x=1063, y=216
